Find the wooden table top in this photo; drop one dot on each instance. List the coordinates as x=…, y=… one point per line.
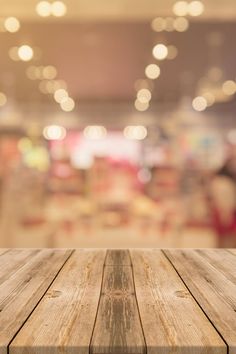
x=117, y=301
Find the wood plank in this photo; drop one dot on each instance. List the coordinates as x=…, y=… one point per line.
x=172, y=320
x=222, y=260
x=64, y=319
x=118, y=257
x=3, y=250
x=232, y=250
x=118, y=328
x=21, y=292
x=214, y=290
x=13, y=260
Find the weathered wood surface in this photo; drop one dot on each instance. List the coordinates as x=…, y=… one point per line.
x=117, y=301
x=3, y=250
x=64, y=319
x=210, y=275
x=170, y=316
x=25, y=276
x=118, y=327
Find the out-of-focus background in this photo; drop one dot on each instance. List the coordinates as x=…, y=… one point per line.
x=117, y=123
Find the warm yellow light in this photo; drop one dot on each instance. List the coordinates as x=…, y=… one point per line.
x=181, y=24
x=25, y=53
x=95, y=132
x=199, y=103
x=152, y=71
x=43, y=87
x=54, y=132
x=49, y=72
x=12, y=24
x=210, y=98
x=144, y=95
x=67, y=104
x=58, y=8
x=180, y=8
x=43, y=8
x=229, y=87
x=195, y=8
x=158, y=24
x=160, y=51
x=3, y=99
x=135, y=132
x=141, y=106
x=60, y=95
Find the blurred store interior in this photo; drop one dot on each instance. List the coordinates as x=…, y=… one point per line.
x=117, y=123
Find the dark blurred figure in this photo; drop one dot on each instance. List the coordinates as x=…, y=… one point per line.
x=223, y=202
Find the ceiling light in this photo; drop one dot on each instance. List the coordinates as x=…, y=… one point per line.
x=160, y=51
x=195, y=8
x=43, y=8
x=229, y=87
x=158, y=24
x=58, y=8
x=152, y=71
x=54, y=132
x=12, y=24
x=181, y=24
x=25, y=53
x=67, y=104
x=141, y=106
x=180, y=8
x=144, y=95
x=95, y=132
x=199, y=103
x=60, y=94
x=135, y=132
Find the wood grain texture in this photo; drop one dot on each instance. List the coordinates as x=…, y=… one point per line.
x=118, y=257
x=232, y=250
x=118, y=328
x=30, y=272
x=210, y=276
x=3, y=250
x=63, y=321
x=171, y=319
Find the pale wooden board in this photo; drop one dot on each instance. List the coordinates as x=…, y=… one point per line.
x=3, y=250
x=232, y=250
x=22, y=290
x=172, y=320
x=118, y=257
x=13, y=260
x=64, y=319
x=222, y=260
x=214, y=290
x=118, y=328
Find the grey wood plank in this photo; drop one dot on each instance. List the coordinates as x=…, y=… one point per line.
x=21, y=292
x=118, y=328
x=212, y=287
x=118, y=257
x=64, y=320
x=172, y=320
